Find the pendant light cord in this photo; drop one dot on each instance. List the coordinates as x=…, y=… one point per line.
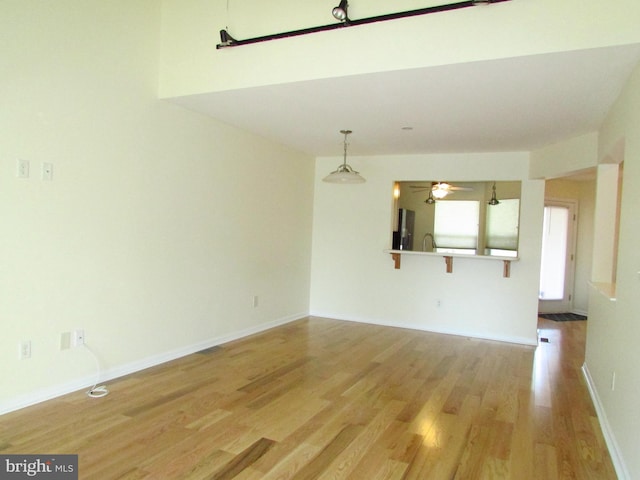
x=346, y=132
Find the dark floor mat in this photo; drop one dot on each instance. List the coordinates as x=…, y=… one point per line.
x=562, y=317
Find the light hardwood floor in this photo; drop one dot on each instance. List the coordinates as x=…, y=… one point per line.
x=321, y=398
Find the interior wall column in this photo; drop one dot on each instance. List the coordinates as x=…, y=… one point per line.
x=605, y=224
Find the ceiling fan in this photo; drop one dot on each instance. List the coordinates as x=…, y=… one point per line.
x=438, y=189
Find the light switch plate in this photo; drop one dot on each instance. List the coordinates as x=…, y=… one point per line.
x=22, y=168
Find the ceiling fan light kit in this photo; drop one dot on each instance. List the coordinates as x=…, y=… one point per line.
x=441, y=190
x=340, y=13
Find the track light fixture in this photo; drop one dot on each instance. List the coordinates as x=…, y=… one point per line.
x=226, y=39
x=340, y=13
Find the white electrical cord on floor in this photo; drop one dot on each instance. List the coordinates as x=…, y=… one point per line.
x=96, y=391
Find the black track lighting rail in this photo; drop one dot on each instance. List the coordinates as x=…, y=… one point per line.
x=227, y=40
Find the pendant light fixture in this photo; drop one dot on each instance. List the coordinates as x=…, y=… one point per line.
x=494, y=200
x=430, y=200
x=344, y=173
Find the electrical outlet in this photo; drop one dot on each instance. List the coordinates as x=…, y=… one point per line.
x=78, y=338
x=613, y=381
x=47, y=171
x=255, y=301
x=25, y=349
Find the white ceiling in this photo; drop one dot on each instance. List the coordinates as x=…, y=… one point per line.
x=512, y=104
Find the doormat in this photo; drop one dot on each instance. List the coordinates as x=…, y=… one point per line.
x=562, y=317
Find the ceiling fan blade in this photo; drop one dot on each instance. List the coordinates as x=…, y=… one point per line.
x=439, y=186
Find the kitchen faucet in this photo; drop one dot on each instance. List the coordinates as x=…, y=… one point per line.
x=424, y=242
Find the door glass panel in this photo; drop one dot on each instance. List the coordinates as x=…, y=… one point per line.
x=554, y=253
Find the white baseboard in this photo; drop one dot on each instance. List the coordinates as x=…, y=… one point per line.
x=87, y=382
x=612, y=445
x=498, y=338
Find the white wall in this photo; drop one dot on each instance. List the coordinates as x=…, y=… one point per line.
x=353, y=279
x=613, y=328
x=160, y=225
x=569, y=156
x=584, y=247
x=606, y=221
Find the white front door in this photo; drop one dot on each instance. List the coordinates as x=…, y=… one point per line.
x=558, y=257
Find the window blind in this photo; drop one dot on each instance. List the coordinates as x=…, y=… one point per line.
x=502, y=225
x=456, y=224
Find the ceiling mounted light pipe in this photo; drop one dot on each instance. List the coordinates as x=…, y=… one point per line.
x=344, y=173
